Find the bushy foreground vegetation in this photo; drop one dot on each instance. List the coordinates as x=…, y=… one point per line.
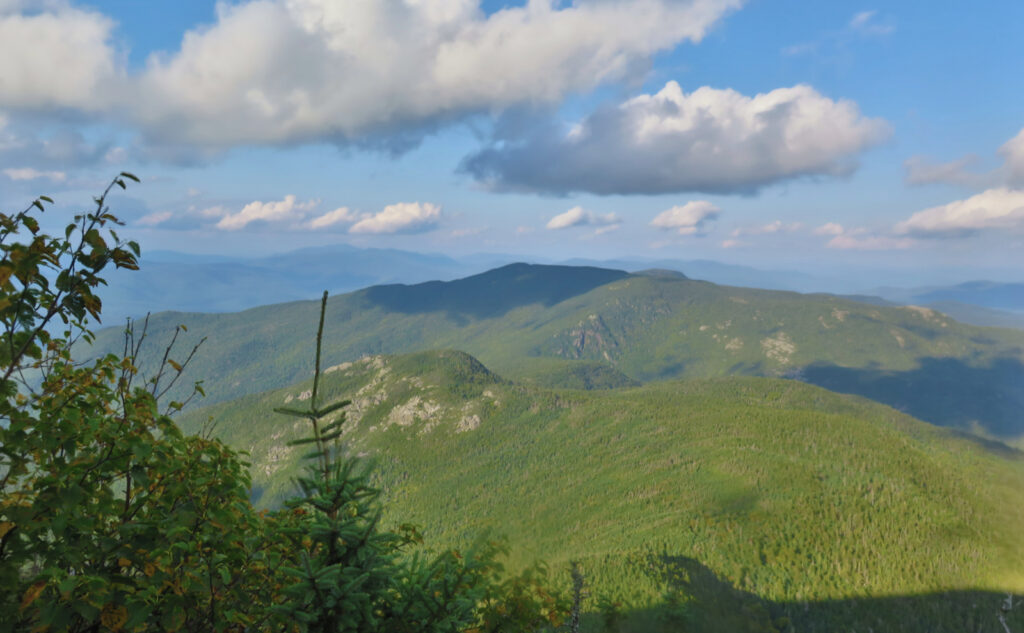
x=112, y=519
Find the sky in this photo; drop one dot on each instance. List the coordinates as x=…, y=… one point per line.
x=821, y=136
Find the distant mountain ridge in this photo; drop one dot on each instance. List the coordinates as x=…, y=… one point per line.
x=533, y=322
x=216, y=283
x=210, y=283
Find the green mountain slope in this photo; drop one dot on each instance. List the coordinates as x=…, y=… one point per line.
x=773, y=498
x=640, y=327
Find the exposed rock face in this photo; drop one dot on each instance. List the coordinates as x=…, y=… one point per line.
x=779, y=348
x=590, y=339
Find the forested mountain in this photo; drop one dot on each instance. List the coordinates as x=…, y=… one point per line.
x=774, y=504
x=537, y=323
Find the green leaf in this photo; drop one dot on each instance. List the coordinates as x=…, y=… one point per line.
x=332, y=407
x=130, y=176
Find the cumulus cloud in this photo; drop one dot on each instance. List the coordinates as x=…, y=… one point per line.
x=155, y=219
x=293, y=215
x=1000, y=208
x=60, y=57
x=287, y=210
x=691, y=218
x=830, y=228
x=578, y=216
x=27, y=173
x=341, y=215
x=715, y=141
x=404, y=217
x=1012, y=153
x=381, y=72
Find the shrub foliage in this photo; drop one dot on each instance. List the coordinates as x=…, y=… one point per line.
x=112, y=519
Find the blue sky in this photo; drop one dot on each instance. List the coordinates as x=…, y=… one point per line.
x=782, y=134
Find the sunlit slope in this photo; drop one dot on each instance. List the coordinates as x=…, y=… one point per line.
x=641, y=327
x=782, y=490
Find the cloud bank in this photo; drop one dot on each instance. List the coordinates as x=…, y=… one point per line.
x=712, y=141
x=382, y=72
x=1000, y=208
x=404, y=217
x=293, y=215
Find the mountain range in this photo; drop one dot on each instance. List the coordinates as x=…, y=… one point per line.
x=214, y=283
x=671, y=435
x=580, y=326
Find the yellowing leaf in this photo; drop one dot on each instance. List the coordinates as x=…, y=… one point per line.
x=32, y=593
x=124, y=562
x=113, y=617
x=5, y=527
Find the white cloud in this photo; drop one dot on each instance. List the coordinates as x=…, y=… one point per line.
x=287, y=210
x=920, y=170
x=341, y=215
x=865, y=23
x=767, y=229
x=377, y=71
x=27, y=173
x=578, y=216
x=860, y=239
x=869, y=242
x=710, y=140
x=156, y=218
x=1000, y=208
x=1012, y=153
x=731, y=243
x=830, y=228
x=689, y=219
x=404, y=217
x=60, y=57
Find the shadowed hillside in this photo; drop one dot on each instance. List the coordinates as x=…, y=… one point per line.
x=494, y=293
x=521, y=319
